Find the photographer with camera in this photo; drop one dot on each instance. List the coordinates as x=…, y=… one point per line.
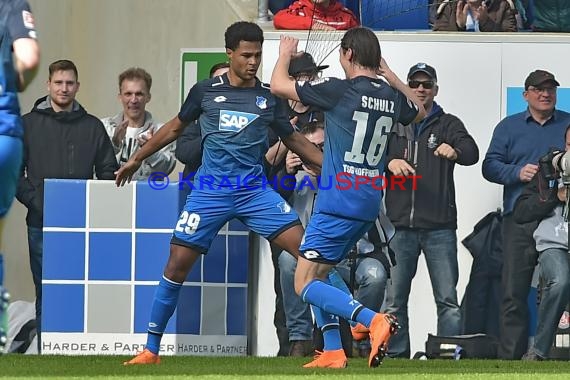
x=517, y=144
x=543, y=199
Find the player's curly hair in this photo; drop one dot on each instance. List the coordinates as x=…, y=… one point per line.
x=364, y=45
x=242, y=31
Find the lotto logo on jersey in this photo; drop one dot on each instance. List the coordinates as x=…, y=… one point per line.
x=235, y=121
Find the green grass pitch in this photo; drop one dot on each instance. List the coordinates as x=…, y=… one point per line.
x=186, y=367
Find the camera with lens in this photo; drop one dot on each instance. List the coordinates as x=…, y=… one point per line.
x=554, y=164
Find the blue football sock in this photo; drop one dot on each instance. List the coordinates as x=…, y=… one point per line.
x=328, y=323
x=163, y=306
x=336, y=280
x=335, y=301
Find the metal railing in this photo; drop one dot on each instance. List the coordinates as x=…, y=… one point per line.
x=262, y=10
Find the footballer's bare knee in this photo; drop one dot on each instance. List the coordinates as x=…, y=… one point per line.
x=180, y=262
x=290, y=239
x=307, y=271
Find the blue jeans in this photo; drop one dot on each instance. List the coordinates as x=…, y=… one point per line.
x=554, y=273
x=36, y=248
x=440, y=250
x=298, y=316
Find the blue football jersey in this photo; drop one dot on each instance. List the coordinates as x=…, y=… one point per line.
x=359, y=115
x=234, y=122
x=16, y=21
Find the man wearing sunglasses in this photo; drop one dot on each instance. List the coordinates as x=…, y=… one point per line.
x=425, y=216
x=518, y=142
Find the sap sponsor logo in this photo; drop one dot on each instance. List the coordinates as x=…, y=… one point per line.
x=219, y=99
x=233, y=121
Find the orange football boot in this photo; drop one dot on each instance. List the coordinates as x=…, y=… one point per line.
x=383, y=326
x=145, y=357
x=328, y=359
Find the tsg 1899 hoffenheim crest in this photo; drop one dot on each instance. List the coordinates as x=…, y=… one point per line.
x=261, y=102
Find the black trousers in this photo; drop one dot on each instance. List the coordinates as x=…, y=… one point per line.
x=519, y=261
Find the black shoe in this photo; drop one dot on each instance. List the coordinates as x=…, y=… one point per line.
x=301, y=348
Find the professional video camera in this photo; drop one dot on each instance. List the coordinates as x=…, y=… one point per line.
x=556, y=163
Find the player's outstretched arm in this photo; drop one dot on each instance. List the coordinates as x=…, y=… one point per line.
x=397, y=83
x=282, y=84
x=308, y=152
x=27, y=54
x=164, y=136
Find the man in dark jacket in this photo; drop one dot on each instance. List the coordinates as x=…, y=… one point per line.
x=61, y=140
x=424, y=212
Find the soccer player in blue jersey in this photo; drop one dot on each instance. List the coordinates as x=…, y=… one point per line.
x=17, y=39
x=359, y=114
x=234, y=111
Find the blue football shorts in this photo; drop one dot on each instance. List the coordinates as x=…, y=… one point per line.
x=328, y=238
x=11, y=152
x=206, y=212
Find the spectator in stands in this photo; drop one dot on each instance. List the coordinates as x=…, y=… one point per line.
x=551, y=16
x=475, y=16
x=61, y=140
x=304, y=68
x=307, y=14
x=543, y=200
x=130, y=129
x=425, y=216
x=518, y=142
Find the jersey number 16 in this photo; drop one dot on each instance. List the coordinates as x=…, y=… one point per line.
x=377, y=145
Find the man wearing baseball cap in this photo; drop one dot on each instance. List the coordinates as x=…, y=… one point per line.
x=430, y=148
x=538, y=78
x=304, y=68
x=305, y=65
x=518, y=142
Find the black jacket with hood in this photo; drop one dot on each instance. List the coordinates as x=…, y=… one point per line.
x=63, y=145
x=432, y=204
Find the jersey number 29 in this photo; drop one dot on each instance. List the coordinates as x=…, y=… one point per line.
x=188, y=223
